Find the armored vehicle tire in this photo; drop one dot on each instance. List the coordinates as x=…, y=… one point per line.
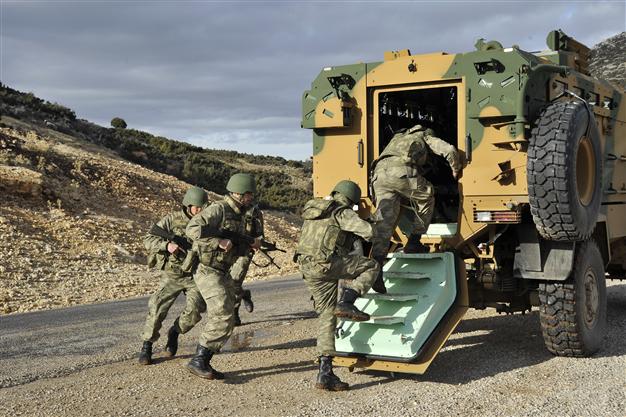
x=573, y=313
x=565, y=172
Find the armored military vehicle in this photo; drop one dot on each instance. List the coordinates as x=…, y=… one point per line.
x=538, y=218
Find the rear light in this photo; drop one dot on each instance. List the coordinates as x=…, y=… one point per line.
x=482, y=216
x=498, y=216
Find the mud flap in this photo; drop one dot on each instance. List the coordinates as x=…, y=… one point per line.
x=426, y=298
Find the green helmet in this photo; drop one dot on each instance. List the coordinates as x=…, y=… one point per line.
x=349, y=189
x=241, y=184
x=195, y=196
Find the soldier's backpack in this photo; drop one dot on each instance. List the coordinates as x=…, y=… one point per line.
x=321, y=233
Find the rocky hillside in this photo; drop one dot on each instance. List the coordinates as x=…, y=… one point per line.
x=72, y=218
x=608, y=60
x=283, y=184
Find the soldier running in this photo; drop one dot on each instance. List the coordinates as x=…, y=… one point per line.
x=330, y=226
x=168, y=256
x=397, y=177
x=217, y=254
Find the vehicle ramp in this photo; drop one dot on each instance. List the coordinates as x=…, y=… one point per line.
x=426, y=298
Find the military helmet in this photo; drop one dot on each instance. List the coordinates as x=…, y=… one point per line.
x=241, y=184
x=348, y=189
x=195, y=196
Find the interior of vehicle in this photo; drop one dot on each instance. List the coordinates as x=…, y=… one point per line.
x=434, y=108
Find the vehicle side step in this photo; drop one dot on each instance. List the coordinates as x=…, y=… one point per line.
x=391, y=297
x=405, y=275
x=378, y=320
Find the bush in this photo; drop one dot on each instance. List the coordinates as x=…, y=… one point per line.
x=118, y=123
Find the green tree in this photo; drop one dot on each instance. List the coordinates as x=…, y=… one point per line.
x=118, y=123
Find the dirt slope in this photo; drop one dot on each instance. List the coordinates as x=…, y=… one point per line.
x=72, y=218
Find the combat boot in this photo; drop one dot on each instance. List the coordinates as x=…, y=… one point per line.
x=247, y=301
x=236, y=317
x=145, y=355
x=326, y=379
x=413, y=245
x=379, y=284
x=200, y=365
x=172, y=339
x=345, y=307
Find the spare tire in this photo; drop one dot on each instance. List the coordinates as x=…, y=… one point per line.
x=564, y=172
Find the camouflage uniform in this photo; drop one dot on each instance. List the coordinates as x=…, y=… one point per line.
x=396, y=177
x=238, y=274
x=323, y=255
x=212, y=277
x=173, y=281
x=253, y=226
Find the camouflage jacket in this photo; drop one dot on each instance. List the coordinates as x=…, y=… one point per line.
x=329, y=228
x=220, y=215
x=158, y=256
x=410, y=148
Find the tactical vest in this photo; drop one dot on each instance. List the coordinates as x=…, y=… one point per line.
x=321, y=234
x=408, y=146
x=217, y=258
x=168, y=261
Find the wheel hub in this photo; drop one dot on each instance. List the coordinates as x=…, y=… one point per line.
x=585, y=171
x=592, y=296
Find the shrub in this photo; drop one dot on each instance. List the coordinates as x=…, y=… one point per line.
x=118, y=123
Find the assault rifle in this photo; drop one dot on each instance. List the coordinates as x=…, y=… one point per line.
x=183, y=244
x=266, y=247
x=239, y=239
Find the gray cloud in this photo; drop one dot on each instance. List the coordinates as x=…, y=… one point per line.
x=231, y=75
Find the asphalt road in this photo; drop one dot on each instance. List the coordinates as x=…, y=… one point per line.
x=66, y=340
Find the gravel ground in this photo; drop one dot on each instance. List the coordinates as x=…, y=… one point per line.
x=492, y=365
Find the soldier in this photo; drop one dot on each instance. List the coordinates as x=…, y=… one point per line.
x=168, y=256
x=215, y=234
x=253, y=219
x=396, y=177
x=329, y=229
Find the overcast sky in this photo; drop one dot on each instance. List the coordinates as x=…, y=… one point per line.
x=230, y=75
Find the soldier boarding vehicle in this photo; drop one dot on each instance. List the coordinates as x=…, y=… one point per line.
x=538, y=218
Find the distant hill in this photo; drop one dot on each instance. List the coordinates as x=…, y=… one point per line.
x=282, y=184
x=76, y=199
x=608, y=60
x=73, y=215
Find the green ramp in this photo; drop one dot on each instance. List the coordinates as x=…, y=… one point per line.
x=421, y=288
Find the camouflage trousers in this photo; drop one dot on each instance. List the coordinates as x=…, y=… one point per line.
x=392, y=191
x=238, y=273
x=322, y=279
x=218, y=293
x=170, y=287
